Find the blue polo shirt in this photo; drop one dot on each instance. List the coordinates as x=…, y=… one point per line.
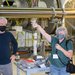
x=5, y=51
x=68, y=46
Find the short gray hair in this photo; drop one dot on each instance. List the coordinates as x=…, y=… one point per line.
x=2, y=18
x=62, y=28
x=5, y=20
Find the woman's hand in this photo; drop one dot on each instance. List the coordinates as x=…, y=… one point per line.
x=58, y=47
x=34, y=23
x=69, y=53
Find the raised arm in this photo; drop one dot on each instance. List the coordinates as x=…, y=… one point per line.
x=41, y=30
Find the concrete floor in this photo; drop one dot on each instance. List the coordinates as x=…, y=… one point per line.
x=23, y=73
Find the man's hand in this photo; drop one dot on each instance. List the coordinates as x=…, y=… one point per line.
x=13, y=57
x=58, y=47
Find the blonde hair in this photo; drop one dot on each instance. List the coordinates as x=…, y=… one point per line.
x=62, y=28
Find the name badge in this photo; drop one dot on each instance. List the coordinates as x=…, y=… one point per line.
x=55, y=56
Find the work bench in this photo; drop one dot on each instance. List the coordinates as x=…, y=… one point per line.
x=29, y=71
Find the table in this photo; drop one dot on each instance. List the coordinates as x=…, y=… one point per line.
x=29, y=71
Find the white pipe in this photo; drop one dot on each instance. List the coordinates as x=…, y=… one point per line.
x=35, y=44
x=63, y=2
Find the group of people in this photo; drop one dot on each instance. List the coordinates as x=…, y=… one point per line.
x=57, y=42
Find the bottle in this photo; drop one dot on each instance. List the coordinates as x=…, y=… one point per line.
x=17, y=56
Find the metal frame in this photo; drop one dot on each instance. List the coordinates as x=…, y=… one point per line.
x=36, y=12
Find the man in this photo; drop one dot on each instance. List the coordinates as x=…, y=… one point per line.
x=59, y=49
x=5, y=53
